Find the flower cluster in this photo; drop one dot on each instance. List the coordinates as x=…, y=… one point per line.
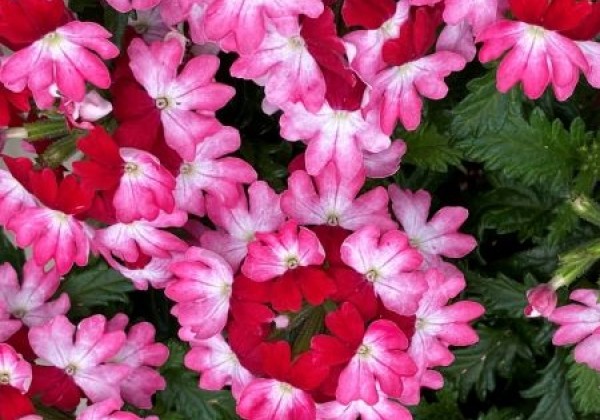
x=332, y=297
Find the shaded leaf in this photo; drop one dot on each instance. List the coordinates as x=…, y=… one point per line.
x=94, y=286
x=552, y=389
x=585, y=387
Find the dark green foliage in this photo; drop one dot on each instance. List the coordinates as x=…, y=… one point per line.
x=183, y=399
x=585, y=386
x=93, y=287
x=9, y=253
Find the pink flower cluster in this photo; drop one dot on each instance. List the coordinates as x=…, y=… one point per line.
x=45, y=356
x=324, y=300
x=578, y=322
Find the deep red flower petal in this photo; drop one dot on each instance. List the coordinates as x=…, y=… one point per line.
x=331, y=351
x=331, y=237
x=55, y=388
x=276, y=358
x=353, y=288
x=23, y=22
x=563, y=15
x=285, y=295
x=13, y=404
x=588, y=28
x=417, y=36
x=369, y=14
x=72, y=198
x=307, y=372
x=315, y=284
x=530, y=11
x=346, y=324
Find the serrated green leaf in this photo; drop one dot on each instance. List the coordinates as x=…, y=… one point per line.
x=513, y=208
x=585, y=387
x=501, y=294
x=552, y=390
x=476, y=367
x=503, y=414
x=428, y=149
x=485, y=109
x=535, y=152
x=95, y=286
x=183, y=396
x=444, y=408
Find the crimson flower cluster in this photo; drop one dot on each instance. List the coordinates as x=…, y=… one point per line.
x=329, y=299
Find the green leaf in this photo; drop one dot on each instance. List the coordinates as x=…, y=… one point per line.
x=503, y=414
x=501, y=294
x=553, y=390
x=10, y=253
x=96, y=285
x=444, y=408
x=485, y=110
x=512, y=208
x=183, y=396
x=535, y=152
x=427, y=148
x=585, y=387
x=476, y=367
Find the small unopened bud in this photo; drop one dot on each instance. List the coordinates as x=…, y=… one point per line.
x=542, y=301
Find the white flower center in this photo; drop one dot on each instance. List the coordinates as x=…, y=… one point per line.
x=364, y=351
x=4, y=378
x=372, y=275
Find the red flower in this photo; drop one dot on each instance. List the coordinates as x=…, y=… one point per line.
x=13, y=404
x=102, y=169
x=312, y=283
x=305, y=372
x=11, y=105
x=370, y=14
x=23, y=22
x=588, y=28
x=54, y=387
x=347, y=328
x=556, y=15
x=66, y=195
x=344, y=90
x=417, y=36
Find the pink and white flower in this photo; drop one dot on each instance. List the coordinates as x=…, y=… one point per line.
x=331, y=198
x=389, y=264
x=364, y=47
x=83, y=353
x=438, y=326
x=385, y=163
x=14, y=198
x=272, y=254
x=396, y=91
x=333, y=135
x=187, y=101
x=238, y=225
x=536, y=57
x=145, y=189
x=379, y=360
x=128, y=240
x=437, y=237
x=282, y=57
x=50, y=60
x=143, y=355
x=14, y=370
x=28, y=301
x=243, y=25
x=385, y=408
x=578, y=323
x=478, y=14
x=212, y=173
x=109, y=410
x=218, y=365
x=202, y=292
